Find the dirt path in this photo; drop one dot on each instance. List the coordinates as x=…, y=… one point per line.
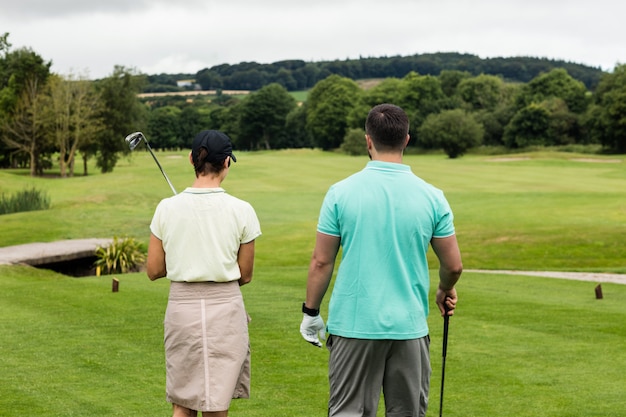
x=578, y=276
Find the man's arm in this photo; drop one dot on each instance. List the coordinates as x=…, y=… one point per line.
x=155, y=266
x=450, y=269
x=245, y=259
x=321, y=269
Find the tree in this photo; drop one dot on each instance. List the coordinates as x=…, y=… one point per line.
x=164, y=128
x=263, y=117
x=387, y=91
x=494, y=123
x=122, y=114
x=192, y=120
x=455, y=131
x=483, y=92
x=420, y=92
x=606, y=120
x=492, y=107
x=228, y=120
x=73, y=117
x=17, y=69
x=548, y=123
x=296, y=135
x=24, y=130
x=251, y=79
x=563, y=126
x=354, y=142
x=209, y=80
x=328, y=106
x=284, y=78
x=420, y=96
x=22, y=74
x=556, y=83
x=450, y=80
x=528, y=127
x=4, y=43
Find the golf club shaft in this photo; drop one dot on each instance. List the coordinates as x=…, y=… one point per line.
x=159, y=165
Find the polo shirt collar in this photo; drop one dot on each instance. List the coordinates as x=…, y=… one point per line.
x=389, y=166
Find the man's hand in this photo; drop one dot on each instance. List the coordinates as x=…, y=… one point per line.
x=313, y=329
x=446, y=301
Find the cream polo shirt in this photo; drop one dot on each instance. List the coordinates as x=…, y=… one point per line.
x=201, y=230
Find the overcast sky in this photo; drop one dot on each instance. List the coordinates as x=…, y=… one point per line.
x=184, y=36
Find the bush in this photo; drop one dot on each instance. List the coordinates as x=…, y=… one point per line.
x=454, y=131
x=354, y=143
x=27, y=200
x=121, y=256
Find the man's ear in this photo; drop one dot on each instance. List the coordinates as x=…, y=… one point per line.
x=190, y=158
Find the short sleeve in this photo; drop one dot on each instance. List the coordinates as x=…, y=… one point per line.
x=156, y=224
x=328, y=222
x=445, y=224
x=251, y=226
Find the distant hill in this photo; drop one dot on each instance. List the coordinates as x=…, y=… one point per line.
x=297, y=75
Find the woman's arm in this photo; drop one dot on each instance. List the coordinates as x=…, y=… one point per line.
x=155, y=266
x=245, y=259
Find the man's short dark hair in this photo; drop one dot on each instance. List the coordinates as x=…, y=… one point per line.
x=387, y=125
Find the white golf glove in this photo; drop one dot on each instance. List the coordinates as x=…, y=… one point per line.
x=313, y=329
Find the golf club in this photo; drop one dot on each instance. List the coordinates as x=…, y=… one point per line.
x=134, y=139
x=446, y=320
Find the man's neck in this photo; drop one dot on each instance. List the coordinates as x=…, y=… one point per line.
x=388, y=157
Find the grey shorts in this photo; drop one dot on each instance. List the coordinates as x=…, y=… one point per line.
x=207, y=350
x=359, y=369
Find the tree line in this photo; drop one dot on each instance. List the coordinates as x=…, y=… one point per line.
x=297, y=75
x=45, y=115
x=454, y=111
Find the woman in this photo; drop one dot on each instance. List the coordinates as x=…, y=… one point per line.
x=203, y=241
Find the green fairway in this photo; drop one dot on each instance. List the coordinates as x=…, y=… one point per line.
x=518, y=345
x=550, y=211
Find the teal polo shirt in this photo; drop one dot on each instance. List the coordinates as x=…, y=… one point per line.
x=385, y=216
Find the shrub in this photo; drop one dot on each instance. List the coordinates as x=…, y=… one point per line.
x=121, y=256
x=455, y=131
x=354, y=143
x=26, y=200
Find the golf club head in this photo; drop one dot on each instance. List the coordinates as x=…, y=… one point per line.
x=134, y=139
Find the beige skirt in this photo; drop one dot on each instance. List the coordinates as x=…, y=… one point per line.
x=207, y=349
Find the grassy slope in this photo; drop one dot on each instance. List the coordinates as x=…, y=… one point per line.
x=543, y=213
x=518, y=346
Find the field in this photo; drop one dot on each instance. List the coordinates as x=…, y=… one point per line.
x=518, y=345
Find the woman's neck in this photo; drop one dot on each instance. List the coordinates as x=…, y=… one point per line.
x=208, y=182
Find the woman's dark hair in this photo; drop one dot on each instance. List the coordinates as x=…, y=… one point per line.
x=203, y=167
x=387, y=125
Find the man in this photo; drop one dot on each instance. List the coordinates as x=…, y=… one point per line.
x=384, y=218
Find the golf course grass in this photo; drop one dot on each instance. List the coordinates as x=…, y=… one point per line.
x=518, y=345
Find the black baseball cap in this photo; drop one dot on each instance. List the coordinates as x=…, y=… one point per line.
x=217, y=144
